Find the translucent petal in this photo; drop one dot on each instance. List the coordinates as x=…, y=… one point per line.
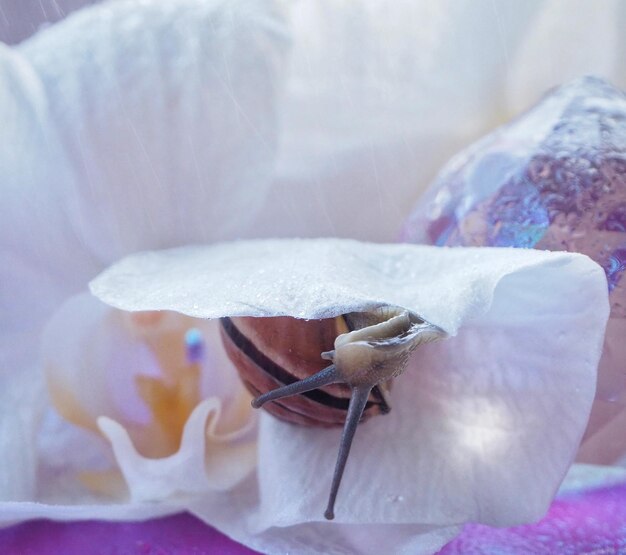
x=366, y=128
x=22, y=402
x=91, y=360
x=39, y=262
x=30, y=254
x=485, y=424
x=167, y=113
x=549, y=55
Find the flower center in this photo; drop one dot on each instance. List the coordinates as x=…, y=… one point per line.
x=170, y=390
x=172, y=395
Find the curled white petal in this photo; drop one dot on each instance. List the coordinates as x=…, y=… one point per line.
x=185, y=472
x=128, y=377
x=167, y=112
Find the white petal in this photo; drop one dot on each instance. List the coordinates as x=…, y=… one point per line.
x=235, y=515
x=22, y=402
x=582, y=477
x=183, y=473
x=550, y=56
x=40, y=263
x=16, y=512
x=91, y=362
x=484, y=424
x=321, y=278
x=27, y=251
x=40, y=258
x=230, y=515
x=366, y=128
x=167, y=112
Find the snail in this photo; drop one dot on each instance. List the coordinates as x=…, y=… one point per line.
x=366, y=350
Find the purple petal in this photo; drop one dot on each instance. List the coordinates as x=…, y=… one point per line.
x=583, y=522
x=173, y=535
x=592, y=521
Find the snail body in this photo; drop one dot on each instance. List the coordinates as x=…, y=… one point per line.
x=283, y=362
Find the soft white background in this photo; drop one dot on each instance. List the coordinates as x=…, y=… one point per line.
x=381, y=94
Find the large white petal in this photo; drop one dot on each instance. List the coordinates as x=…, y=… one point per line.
x=550, y=53
x=231, y=513
x=167, y=112
x=379, y=95
x=36, y=245
x=189, y=86
x=484, y=425
x=38, y=262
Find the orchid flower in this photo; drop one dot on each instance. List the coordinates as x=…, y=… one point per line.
x=145, y=125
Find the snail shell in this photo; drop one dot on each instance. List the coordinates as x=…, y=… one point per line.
x=273, y=352
x=281, y=359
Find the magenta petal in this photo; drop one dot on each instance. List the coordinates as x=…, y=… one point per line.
x=180, y=534
x=583, y=522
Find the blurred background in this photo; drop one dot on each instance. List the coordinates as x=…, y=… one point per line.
x=21, y=18
x=380, y=95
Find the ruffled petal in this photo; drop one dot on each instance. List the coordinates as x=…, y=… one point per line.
x=167, y=113
x=485, y=424
x=184, y=473
x=129, y=378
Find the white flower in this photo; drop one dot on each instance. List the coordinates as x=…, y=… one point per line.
x=129, y=115
x=146, y=124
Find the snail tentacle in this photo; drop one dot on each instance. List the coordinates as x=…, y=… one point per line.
x=370, y=349
x=327, y=376
x=355, y=410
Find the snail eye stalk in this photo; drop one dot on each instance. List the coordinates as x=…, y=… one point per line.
x=324, y=377
x=357, y=404
x=358, y=400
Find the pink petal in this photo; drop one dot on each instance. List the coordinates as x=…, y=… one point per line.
x=588, y=521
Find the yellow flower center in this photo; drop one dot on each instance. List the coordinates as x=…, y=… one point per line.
x=170, y=397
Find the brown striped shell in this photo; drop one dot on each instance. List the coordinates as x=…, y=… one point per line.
x=281, y=360
x=272, y=352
